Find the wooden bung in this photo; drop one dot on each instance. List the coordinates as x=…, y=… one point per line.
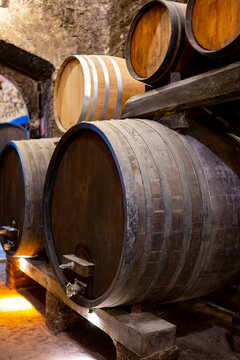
x=156, y=43
x=213, y=28
x=23, y=166
x=155, y=211
x=92, y=87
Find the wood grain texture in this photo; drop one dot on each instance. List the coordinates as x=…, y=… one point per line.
x=174, y=215
x=10, y=132
x=156, y=45
x=70, y=91
x=23, y=167
x=215, y=23
x=213, y=87
x=213, y=29
x=90, y=87
x=87, y=189
x=150, y=40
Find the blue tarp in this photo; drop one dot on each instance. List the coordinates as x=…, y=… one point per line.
x=21, y=120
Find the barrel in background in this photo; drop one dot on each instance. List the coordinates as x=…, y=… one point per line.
x=23, y=166
x=213, y=28
x=10, y=132
x=156, y=43
x=92, y=87
x=155, y=212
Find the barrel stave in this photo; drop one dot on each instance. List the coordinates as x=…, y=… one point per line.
x=175, y=189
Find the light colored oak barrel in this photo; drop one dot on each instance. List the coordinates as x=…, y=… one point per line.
x=158, y=213
x=92, y=87
x=23, y=166
x=213, y=28
x=156, y=43
x=10, y=132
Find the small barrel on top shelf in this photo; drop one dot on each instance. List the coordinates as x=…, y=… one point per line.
x=156, y=44
x=92, y=87
x=213, y=28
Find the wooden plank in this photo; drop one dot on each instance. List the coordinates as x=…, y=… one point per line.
x=235, y=138
x=78, y=265
x=131, y=330
x=213, y=87
x=25, y=62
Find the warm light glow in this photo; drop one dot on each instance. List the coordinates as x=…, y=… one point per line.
x=93, y=318
x=23, y=264
x=59, y=356
x=15, y=303
x=4, y=15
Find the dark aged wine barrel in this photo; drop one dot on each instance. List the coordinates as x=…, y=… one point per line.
x=10, y=132
x=137, y=213
x=23, y=166
x=92, y=87
x=156, y=43
x=213, y=28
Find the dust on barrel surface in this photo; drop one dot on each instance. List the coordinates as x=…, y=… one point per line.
x=23, y=166
x=92, y=87
x=157, y=213
x=10, y=132
x=213, y=26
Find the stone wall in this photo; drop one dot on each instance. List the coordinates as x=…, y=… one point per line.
x=27, y=87
x=54, y=30
x=11, y=102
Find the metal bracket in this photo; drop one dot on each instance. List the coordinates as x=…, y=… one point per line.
x=74, y=289
x=8, y=245
x=79, y=266
x=9, y=232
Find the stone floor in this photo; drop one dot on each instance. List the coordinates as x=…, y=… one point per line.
x=25, y=336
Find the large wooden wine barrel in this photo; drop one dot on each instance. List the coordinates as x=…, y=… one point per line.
x=10, y=132
x=23, y=166
x=213, y=28
x=92, y=87
x=156, y=43
x=137, y=213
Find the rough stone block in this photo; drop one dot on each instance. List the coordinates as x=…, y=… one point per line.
x=16, y=279
x=146, y=334
x=167, y=354
x=60, y=317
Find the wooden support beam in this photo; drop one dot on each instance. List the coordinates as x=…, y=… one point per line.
x=25, y=62
x=145, y=335
x=213, y=87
